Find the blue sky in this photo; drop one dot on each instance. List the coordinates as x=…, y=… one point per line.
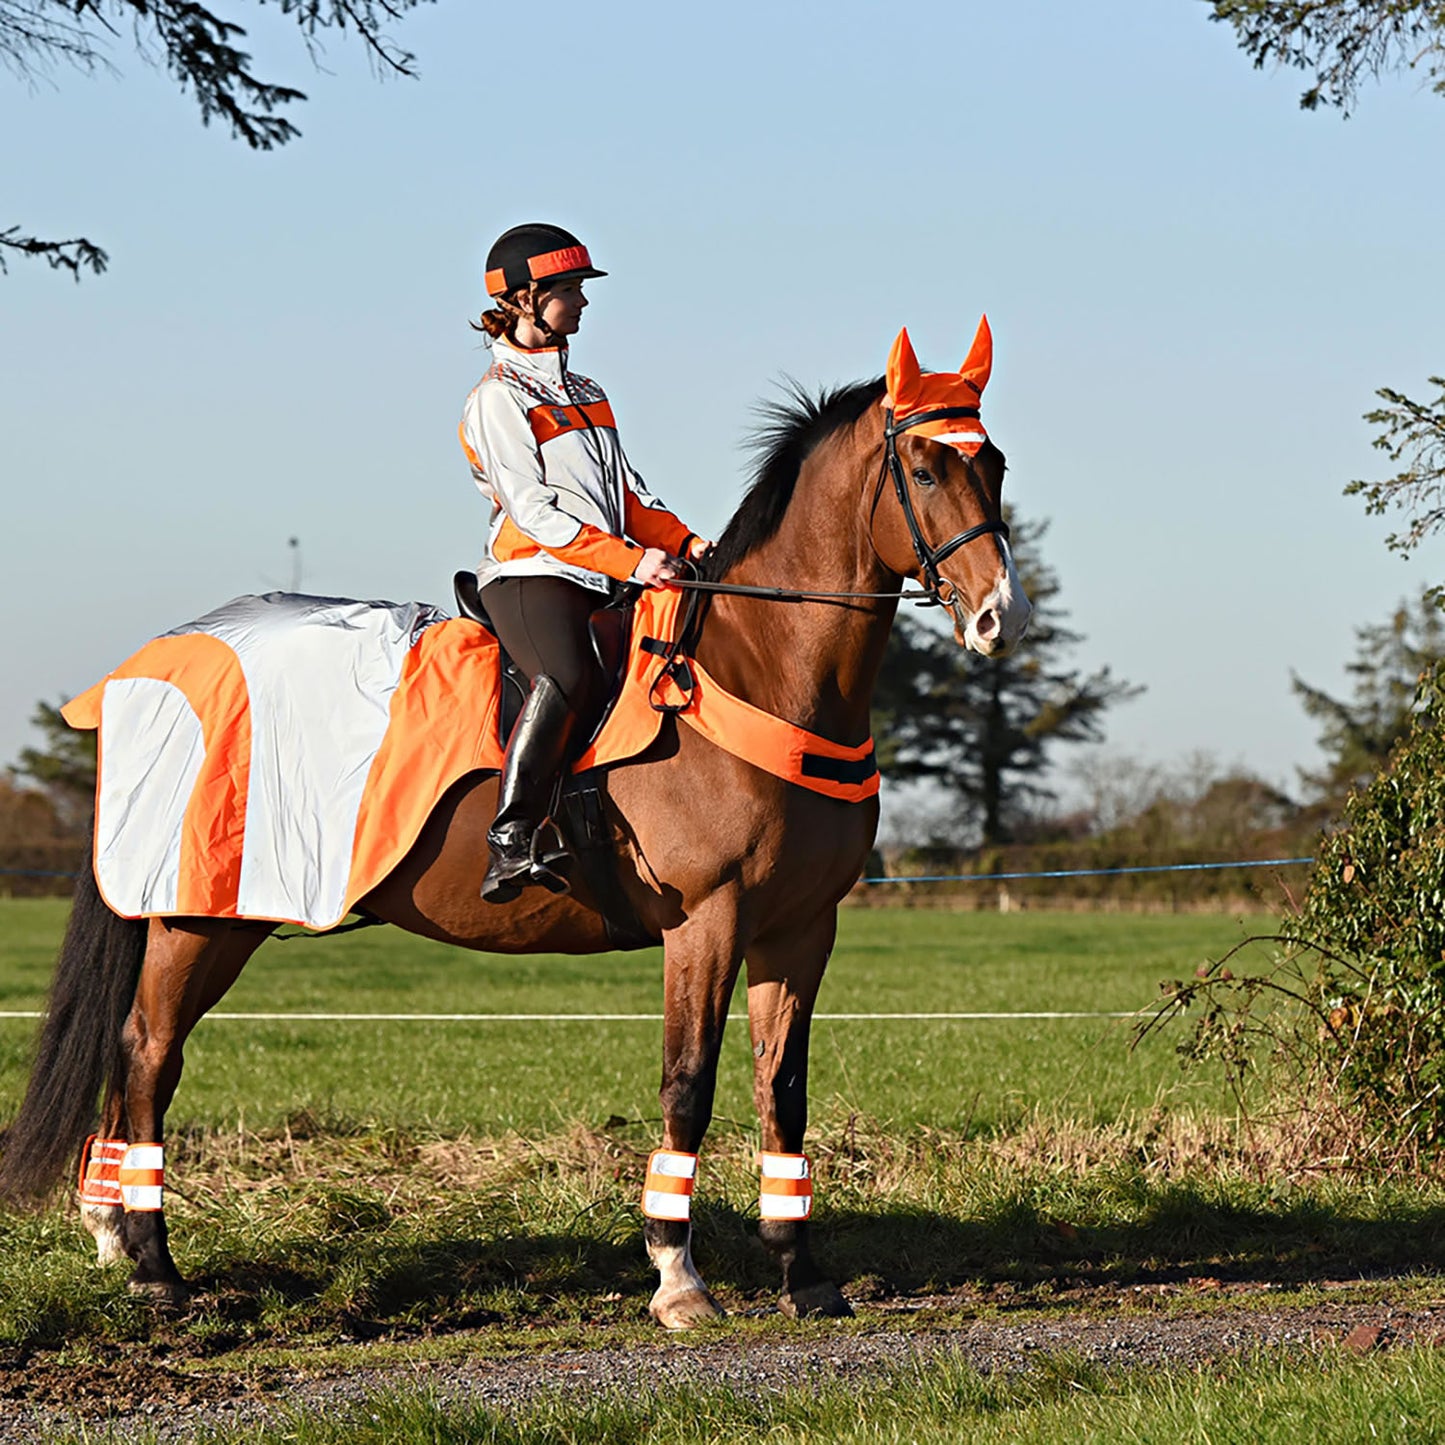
x=1194, y=289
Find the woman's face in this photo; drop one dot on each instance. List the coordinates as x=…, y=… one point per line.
x=561, y=306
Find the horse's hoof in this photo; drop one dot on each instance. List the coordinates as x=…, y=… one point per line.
x=110, y=1249
x=168, y=1294
x=687, y=1310
x=822, y=1300
x=106, y=1225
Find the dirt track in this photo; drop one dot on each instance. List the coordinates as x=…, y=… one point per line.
x=143, y=1388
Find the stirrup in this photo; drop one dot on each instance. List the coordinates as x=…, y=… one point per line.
x=544, y=861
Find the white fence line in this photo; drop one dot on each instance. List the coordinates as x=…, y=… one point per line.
x=595, y=1018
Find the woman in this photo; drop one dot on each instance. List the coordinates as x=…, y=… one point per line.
x=545, y=453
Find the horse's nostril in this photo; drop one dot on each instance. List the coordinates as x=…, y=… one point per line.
x=987, y=623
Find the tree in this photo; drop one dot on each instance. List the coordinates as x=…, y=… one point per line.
x=983, y=727
x=65, y=768
x=199, y=50
x=1344, y=42
x=1412, y=432
x=1358, y=736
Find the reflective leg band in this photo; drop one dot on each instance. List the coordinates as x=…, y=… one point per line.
x=142, y=1175
x=667, y=1194
x=787, y=1186
x=100, y=1170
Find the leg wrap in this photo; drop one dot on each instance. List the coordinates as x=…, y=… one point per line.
x=100, y=1163
x=142, y=1178
x=787, y=1186
x=667, y=1194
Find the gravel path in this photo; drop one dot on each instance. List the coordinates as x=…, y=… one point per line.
x=139, y=1389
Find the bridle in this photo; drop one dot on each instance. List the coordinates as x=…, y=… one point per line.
x=929, y=558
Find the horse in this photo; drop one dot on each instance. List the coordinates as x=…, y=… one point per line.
x=850, y=486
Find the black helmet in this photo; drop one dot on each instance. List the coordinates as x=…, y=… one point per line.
x=535, y=252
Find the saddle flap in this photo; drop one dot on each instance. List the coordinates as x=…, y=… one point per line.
x=469, y=599
x=514, y=681
x=611, y=630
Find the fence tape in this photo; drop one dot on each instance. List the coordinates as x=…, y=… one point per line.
x=949, y=877
x=1089, y=872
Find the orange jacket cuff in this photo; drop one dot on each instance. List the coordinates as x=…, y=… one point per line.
x=599, y=551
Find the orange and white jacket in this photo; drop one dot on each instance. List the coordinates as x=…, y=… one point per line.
x=544, y=451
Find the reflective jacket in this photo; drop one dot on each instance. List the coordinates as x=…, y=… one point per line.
x=544, y=451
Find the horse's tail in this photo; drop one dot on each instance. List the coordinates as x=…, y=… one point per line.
x=80, y=1045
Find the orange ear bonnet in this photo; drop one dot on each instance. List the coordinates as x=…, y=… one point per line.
x=912, y=391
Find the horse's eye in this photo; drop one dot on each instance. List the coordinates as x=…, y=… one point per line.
x=923, y=476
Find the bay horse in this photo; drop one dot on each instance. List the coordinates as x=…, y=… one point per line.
x=849, y=489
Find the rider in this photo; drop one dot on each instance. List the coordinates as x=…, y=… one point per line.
x=544, y=451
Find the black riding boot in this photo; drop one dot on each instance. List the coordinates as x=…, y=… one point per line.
x=536, y=753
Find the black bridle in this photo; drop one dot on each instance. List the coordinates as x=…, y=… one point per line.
x=929, y=558
x=931, y=594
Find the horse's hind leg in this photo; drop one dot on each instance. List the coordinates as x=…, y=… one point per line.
x=188, y=966
x=784, y=972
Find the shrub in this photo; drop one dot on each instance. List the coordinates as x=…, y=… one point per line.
x=1346, y=1029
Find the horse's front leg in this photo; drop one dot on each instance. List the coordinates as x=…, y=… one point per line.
x=784, y=971
x=701, y=965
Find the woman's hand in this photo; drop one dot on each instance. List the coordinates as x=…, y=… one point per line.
x=656, y=569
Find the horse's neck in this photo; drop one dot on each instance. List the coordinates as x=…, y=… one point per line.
x=813, y=663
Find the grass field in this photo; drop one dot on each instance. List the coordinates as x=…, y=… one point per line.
x=343, y=1186
x=536, y=1077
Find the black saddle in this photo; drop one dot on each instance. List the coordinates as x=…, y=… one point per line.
x=610, y=630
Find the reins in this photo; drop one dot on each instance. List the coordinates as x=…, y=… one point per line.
x=792, y=594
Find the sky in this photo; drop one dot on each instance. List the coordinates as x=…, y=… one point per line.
x=1194, y=289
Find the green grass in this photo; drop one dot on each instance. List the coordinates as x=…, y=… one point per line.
x=538, y=1077
x=341, y=1190
x=319, y=1237
x=1275, y=1399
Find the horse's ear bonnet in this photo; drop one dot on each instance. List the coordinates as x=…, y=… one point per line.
x=978, y=364
x=912, y=391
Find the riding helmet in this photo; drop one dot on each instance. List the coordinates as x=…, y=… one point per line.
x=536, y=252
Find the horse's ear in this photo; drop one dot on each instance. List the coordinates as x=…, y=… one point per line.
x=903, y=374
x=979, y=362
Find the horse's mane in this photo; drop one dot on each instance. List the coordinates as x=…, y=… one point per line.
x=789, y=428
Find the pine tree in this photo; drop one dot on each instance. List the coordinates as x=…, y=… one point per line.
x=64, y=768
x=983, y=728
x=1357, y=736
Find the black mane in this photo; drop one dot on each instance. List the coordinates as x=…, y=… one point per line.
x=789, y=430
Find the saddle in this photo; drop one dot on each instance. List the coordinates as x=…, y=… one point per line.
x=610, y=630
x=578, y=817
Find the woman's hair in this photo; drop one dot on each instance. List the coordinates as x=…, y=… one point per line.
x=500, y=320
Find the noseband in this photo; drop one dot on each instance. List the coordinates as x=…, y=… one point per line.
x=929, y=558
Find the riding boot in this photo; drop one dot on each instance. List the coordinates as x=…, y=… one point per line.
x=536, y=753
